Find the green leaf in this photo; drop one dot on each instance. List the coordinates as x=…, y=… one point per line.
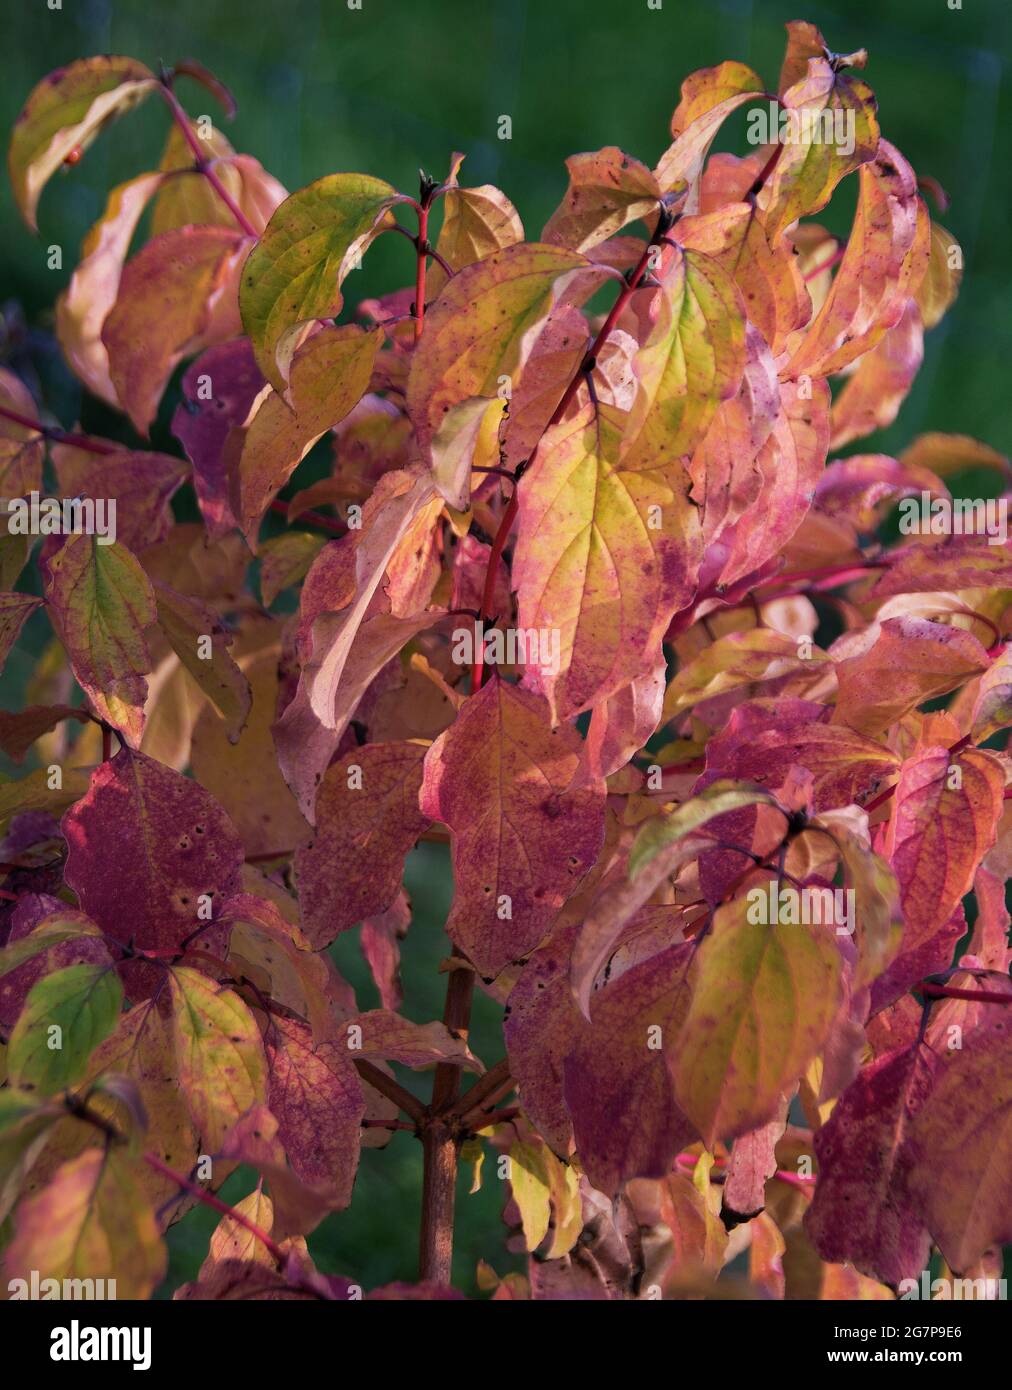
x=285, y=560
x=101, y=601
x=691, y=358
x=25, y=1125
x=716, y=800
x=65, y=1017
x=763, y=1001
x=219, y=1052
x=295, y=271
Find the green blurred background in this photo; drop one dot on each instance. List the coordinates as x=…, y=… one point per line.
x=402, y=83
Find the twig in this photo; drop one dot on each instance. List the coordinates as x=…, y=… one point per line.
x=202, y=163
x=393, y=1090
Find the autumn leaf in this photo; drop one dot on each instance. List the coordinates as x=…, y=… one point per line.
x=65, y=112
x=763, y=1000
x=91, y=1222
x=521, y=840
x=142, y=1049
x=39, y=791
x=790, y=463
x=314, y=1091
x=53, y=930
x=22, y=452
x=622, y=724
x=737, y=660
x=88, y=300
x=910, y=661
x=869, y=293
x=80, y=1003
x=862, y=1212
x=26, y=1123
x=872, y=397
x=708, y=97
x=962, y=1130
x=191, y=200
x=341, y=650
x=367, y=818
x=589, y=566
x=232, y=1241
x=626, y=1119
x=177, y=857
x=946, y=809
x=244, y=776
x=753, y=1163
x=992, y=707
x=607, y=190
x=770, y=282
x=691, y=357
x=199, y=639
x=478, y=331
x=175, y=296
x=804, y=41
x=328, y=376
x=810, y=165
x=762, y=743
x=219, y=389
x=659, y=850
x=938, y=290
x=285, y=560
x=14, y=609
x=137, y=487
x=959, y=562
x=476, y=222
x=265, y=944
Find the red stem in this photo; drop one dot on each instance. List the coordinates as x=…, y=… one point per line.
x=325, y=523
x=977, y=996
x=202, y=165
x=210, y=1200
x=820, y=576
x=78, y=441
x=488, y=588
x=767, y=169
x=834, y=259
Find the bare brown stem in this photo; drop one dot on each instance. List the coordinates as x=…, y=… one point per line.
x=440, y=1143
